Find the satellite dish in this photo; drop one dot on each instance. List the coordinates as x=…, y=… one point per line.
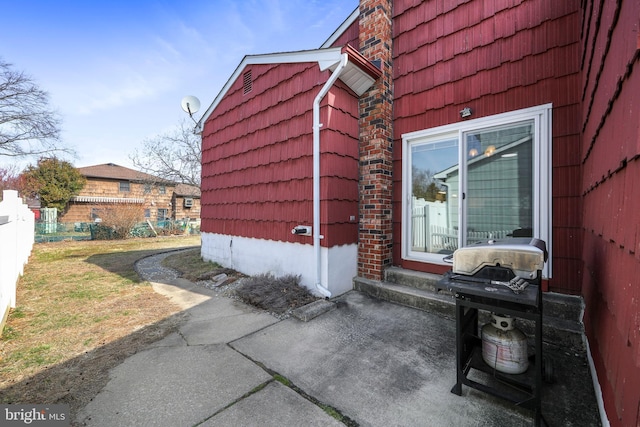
x=190, y=104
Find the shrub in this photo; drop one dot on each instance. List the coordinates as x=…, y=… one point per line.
x=120, y=219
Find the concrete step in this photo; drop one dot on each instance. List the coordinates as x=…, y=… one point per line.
x=441, y=303
x=562, y=314
x=413, y=279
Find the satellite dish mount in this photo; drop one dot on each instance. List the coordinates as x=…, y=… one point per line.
x=190, y=105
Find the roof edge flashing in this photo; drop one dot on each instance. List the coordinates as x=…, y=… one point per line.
x=325, y=58
x=363, y=72
x=342, y=28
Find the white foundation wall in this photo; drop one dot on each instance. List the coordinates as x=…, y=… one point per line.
x=338, y=265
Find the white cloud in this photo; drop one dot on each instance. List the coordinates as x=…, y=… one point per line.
x=105, y=97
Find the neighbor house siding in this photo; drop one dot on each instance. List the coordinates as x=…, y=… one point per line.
x=258, y=159
x=80, y=211
x=610, y=157
x=109, y=184
x=494, y=57
x=180, y=211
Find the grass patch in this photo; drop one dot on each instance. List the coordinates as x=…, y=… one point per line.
x=282, y=380
x=329, y=410
x=333, y=412
x=81, y=309
x=85, y=293
x=9, y=333
x=18, y=313
x=192, y=267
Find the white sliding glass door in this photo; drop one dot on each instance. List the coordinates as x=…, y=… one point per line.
x=481, y=179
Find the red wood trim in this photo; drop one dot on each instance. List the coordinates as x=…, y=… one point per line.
x=363, y=63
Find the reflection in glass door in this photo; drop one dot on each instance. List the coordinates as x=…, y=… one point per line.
x=499, y=183
x=434, y=208
x=494, y=184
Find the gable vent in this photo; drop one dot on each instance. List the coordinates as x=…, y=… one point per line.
x=248, y=82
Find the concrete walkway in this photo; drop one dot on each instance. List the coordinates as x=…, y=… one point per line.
x=370, y=363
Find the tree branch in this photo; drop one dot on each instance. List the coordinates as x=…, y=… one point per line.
x=28, y=126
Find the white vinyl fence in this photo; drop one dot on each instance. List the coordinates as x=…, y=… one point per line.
x=432, y=234
x=16, y=242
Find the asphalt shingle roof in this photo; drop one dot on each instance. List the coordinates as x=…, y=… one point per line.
x=113, y=171
x=187, y=190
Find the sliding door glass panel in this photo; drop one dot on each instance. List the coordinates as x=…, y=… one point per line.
x=434, y=203
x=499, y=184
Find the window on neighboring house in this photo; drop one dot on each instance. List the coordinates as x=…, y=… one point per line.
x=147, y=213
x=147, y=189
x=163, y=214
x=125, y=186
x=162, y=189
x=488, y=178
x=95, y=215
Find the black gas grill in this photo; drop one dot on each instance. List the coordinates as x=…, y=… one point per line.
x=505, y=277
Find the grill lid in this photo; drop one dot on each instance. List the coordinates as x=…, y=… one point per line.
x=525, y=257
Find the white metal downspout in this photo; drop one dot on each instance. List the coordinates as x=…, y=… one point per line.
x=316, y=171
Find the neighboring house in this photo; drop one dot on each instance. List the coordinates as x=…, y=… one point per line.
x=523, y=114
x=110, y=184
x=185, y=202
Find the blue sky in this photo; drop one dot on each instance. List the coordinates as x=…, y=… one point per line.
x=117, y=70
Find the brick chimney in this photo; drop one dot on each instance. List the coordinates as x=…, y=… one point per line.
x=376, y=143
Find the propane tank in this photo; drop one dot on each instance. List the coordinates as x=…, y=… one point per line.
x=504, y=347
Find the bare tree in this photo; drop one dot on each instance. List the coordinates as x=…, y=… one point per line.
x=425, y=186
x=10, y=178
x=28, y=126
x=174, y=156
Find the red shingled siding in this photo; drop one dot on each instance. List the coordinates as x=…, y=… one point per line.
x=258, y=160
x=494, y=57
x=610, y=187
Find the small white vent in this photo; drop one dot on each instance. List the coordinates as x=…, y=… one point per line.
x=247, y=81
x=188, y=202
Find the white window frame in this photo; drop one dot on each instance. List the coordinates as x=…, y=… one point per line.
x=542, y=173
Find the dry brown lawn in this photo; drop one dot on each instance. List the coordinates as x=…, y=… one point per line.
x=81, y=309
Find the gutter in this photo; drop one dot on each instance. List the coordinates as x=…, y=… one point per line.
x=316, y=171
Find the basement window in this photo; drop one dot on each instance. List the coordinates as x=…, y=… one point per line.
x=247, y=81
